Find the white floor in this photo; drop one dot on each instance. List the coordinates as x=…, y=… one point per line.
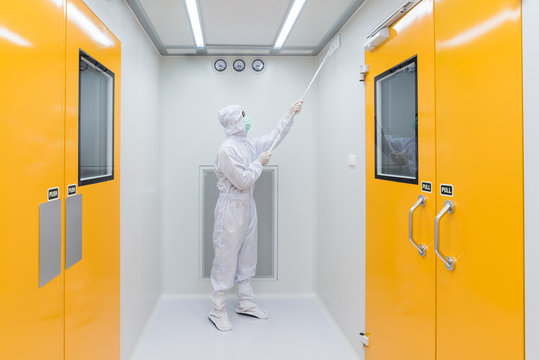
x=298, y=329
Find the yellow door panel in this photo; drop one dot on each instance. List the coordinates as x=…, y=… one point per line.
x=93, y=284
x=32, y=156
x=400, y=283
x=480, y=309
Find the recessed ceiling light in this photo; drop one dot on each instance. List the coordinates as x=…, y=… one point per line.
x=194, y=18
x=289, y=22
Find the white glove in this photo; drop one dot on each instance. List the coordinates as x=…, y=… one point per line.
x=264, y=158
x=295, y=108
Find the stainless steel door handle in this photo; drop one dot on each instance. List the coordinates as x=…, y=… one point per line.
x=73, y=225
x=420, y=201
x=448, y=261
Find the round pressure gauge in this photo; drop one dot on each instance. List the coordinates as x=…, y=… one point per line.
x=258, y=65
x=220, y=65
x=239, y=65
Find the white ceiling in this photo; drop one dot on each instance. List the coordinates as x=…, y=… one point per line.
x=250, y=23
x=316, y=19
x=242, y=26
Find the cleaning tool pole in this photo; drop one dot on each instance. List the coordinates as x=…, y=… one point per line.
x=332, y=48
x=314, y=77
x=274, y=143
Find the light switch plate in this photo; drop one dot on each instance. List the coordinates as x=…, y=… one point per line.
x=352, y=160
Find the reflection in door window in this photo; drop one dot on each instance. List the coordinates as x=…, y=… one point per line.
x=96, y=119
x=396, y=123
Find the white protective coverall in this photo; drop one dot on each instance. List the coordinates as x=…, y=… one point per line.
x=235, y=230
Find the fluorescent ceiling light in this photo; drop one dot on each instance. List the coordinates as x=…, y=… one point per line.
x=290, y=20
x=194, y=18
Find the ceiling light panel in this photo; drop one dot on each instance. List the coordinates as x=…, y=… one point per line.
x=291, y=18
x=194, y=19
x=169, y=19
x=315, y=21
x=242, y=22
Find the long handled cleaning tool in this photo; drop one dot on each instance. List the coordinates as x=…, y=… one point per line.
x=334, y=46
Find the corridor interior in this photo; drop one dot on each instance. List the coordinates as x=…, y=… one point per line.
x=397, y=219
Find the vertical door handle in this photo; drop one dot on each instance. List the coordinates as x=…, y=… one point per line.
x=448, y=261
x=420, y=201
x=73, y=230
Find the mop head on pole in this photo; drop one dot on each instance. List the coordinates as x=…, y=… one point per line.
x=335, y=45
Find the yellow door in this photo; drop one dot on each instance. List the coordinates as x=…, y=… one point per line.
x=400, y=283
x=92, y=299
x=32, y=157
x=480, y=311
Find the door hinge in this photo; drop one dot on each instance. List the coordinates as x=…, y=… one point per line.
x=363, y=70
x=364, y=339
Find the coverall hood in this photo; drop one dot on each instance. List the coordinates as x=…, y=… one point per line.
x=232, y=120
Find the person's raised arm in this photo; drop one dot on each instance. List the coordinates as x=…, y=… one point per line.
x=266, y=142
x=231, y=165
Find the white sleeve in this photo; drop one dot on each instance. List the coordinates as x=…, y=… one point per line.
x=231, y=165
x=283, y=127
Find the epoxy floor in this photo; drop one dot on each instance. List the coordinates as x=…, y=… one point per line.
x=298, y=329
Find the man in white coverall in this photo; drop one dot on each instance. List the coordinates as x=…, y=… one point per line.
x=239, y=164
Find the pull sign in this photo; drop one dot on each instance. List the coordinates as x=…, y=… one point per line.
x=446, y=190
x=426, y=186
x=71, y=190
x=53, y=193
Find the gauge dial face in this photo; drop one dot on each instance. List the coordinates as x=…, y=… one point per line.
x=220, y=65
x=239, y=65
x=258, y=65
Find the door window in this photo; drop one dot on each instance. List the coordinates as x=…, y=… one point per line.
x=396, y=123
x=96, y=121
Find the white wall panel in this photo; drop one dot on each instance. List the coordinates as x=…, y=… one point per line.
x=530, y=29
x=192, y=93
x=341, y=189
x=140, y=226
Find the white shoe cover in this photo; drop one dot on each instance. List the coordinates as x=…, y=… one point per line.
x=221, y=321
x=248, y=307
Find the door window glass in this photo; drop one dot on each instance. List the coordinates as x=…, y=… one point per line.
x=96, y=121
x=396, y=123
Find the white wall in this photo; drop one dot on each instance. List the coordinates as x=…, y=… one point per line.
x=341, y=189
x=140, y=168
x=530, y=29
x=191, y=95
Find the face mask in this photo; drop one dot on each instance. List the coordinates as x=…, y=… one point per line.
x=247, y=120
